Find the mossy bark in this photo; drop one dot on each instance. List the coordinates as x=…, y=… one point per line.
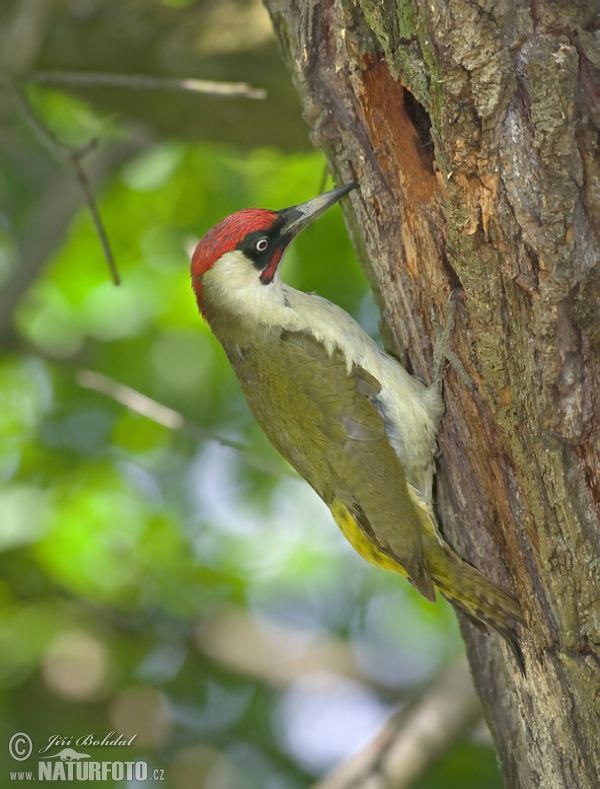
x=474, y=129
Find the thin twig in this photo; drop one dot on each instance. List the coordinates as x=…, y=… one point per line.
x=143, y=82
x=168, y=417
x=58, y=202
x=88, y=197
x=51, y=143
x=73, y=157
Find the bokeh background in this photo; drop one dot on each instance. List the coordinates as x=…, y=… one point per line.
x=163, y=573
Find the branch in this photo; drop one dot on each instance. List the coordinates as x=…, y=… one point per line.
x=168, y=417
x=70, y=155
x=411, y=742
x=76, y=79
x=407, y=745
x=274, y=654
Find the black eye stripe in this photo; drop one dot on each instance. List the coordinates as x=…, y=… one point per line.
x=260, y=254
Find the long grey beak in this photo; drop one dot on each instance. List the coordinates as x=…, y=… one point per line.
x=297, y=217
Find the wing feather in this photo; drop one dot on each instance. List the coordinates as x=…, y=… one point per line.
x=330, y=429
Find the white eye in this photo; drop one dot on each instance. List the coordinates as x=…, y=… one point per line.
x=262, y=244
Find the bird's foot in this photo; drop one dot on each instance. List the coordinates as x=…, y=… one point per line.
x=442, y=351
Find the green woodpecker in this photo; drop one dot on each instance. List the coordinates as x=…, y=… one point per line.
x=349, y=418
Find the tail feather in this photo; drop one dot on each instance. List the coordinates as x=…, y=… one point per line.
x=500, y=627
x=485, y=603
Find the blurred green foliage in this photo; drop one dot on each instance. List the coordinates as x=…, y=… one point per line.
x=123, y=541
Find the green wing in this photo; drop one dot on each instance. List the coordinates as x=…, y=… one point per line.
x=324, y=420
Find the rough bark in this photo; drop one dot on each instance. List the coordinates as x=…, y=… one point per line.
x=474, y=129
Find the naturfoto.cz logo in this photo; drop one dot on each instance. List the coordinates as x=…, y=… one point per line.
x=69, y=764
x=93, y=771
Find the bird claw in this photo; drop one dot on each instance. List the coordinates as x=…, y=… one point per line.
x=442, y=351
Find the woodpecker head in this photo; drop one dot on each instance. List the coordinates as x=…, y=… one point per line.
x=241, y=254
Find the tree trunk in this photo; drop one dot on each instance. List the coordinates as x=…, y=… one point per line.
x=474, y=130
